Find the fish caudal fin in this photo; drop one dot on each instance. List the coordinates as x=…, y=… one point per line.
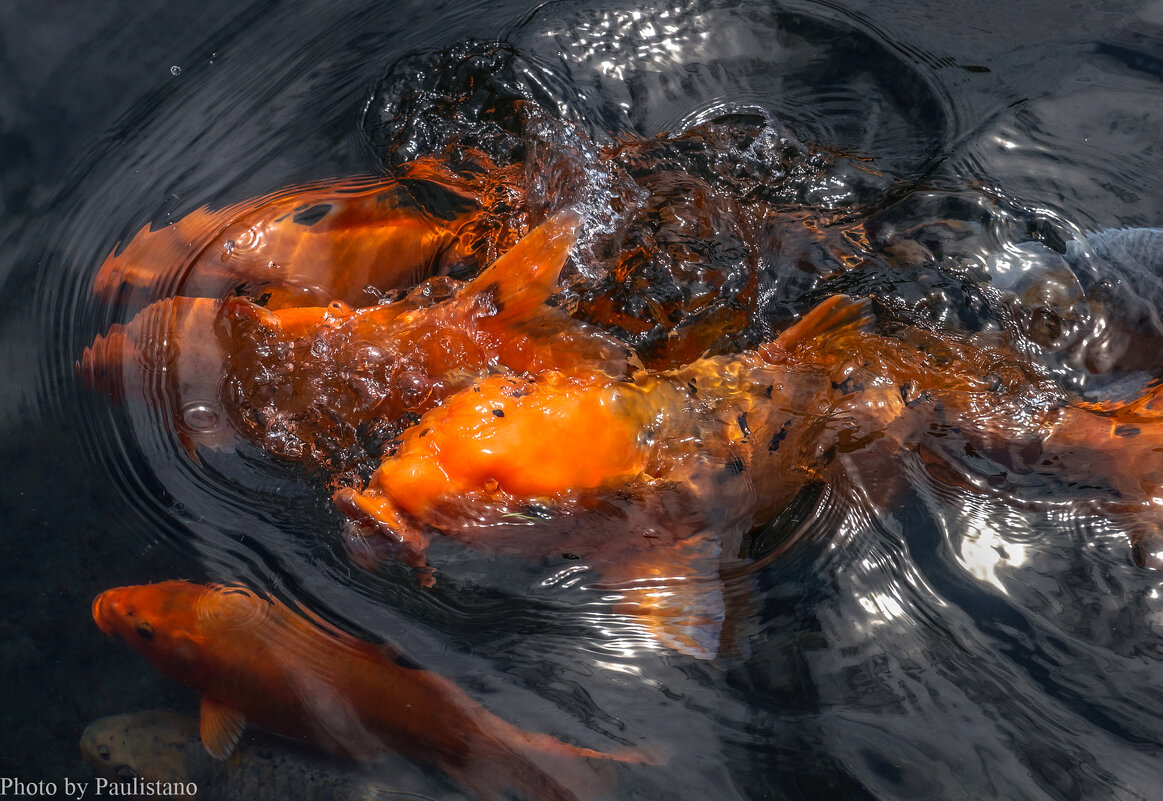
x=542, y=768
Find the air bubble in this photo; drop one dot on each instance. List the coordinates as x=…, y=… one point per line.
x=413, y=388
x=200, y=417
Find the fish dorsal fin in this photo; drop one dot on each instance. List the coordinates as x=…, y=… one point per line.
x=221, y=728
x=522, y=279
x=518, y=285
x=835, y=317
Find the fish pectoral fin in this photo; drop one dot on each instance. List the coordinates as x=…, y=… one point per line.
x=221, y=728
x=837, y=316
x=509, y=301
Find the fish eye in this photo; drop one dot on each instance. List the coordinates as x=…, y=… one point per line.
x=144, y=630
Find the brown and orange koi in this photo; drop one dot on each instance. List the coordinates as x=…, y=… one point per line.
x=308, y=245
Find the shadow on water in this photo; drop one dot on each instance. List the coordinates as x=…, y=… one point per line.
x=967, y=639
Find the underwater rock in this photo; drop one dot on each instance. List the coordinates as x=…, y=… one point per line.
x=155, y=746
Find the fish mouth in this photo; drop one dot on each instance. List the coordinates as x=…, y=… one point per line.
x=103, y=620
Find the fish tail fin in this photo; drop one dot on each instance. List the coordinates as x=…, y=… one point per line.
x=584, y=772
x=836, y=317
x=630, y=755
x=536, y=773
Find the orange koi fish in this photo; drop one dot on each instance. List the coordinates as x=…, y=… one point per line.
x=255, y=661
x=313, y=382
x=342, y=240
x=712, y=450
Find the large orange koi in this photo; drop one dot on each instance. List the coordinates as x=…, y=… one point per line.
x=717, y=448
x=255, y=661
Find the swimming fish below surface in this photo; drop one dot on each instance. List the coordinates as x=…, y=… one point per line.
x=255, y=661
x=311, y=383
x=344, y=240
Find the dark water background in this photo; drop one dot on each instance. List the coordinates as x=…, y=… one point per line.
x=959, y=648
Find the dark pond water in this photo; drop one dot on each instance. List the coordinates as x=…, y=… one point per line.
x=974, y=640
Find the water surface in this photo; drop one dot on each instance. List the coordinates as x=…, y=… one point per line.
x=970, y=642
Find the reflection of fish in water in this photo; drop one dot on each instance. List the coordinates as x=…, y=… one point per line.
x=255, y=660
x=161, y=747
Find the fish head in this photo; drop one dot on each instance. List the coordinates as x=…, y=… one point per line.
x=162, y=622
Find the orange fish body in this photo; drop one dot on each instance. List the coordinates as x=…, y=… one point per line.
x=717, y=448
x=345, y=241
x=311, y=383
x=302, y=246
x=254, y=660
